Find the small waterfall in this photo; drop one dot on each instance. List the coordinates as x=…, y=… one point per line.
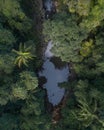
x=49, y=7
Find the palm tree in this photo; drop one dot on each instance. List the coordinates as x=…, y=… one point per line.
x=23, y=55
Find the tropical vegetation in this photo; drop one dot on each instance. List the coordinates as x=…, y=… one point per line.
x=77, y=33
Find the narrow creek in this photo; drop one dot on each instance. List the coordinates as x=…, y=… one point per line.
x=54, y=71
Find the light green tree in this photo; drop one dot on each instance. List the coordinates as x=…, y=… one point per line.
x=28, y=82
x=66, y=36
x=23, y=55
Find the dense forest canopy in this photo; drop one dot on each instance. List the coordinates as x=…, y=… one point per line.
x=77, y=33
x=21, y=100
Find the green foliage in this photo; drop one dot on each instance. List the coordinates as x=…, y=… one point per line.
x=77, y=35
x=34, y=114
x=91, y=12
x=9, y=122
x=67, y=37
x=6, y=63
x=6, y=39
x=11, y=8
x=21, y=101
x=27, y=82
x=88, y=105
x=86, y=48
x=31, y=108
x=15, y=16
x=95, y=16
x=4, y=96
x=23, y=55
x=82, y=7
x=29, y=79
x=19, y=92
x=78, y=38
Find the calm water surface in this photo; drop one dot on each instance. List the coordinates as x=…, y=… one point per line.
x=54, y=75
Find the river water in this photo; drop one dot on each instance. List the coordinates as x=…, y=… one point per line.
x=55, y=72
